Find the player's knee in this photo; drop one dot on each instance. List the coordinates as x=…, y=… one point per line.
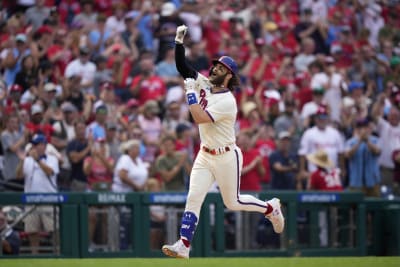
x=232, y=204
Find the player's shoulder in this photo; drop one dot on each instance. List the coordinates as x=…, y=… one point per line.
x=201, y=78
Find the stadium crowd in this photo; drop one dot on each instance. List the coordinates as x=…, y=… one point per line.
x=91, y=98
x=97, y=80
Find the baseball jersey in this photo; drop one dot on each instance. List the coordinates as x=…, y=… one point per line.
x=222, y=109
x=326, y=180
x=315, y=139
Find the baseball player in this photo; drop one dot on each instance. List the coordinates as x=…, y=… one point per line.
x=213, y=108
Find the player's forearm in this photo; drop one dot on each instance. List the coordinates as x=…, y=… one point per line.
x=199, y=115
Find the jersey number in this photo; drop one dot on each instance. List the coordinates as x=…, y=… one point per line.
x=203, y=101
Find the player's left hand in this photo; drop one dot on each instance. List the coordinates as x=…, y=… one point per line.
x=180, y=34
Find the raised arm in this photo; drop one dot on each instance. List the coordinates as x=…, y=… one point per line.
x=184, y=69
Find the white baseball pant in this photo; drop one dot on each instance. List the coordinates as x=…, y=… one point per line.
x=225, y=169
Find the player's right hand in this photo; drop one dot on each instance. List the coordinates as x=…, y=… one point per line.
x=190, y=84
x=180, y=34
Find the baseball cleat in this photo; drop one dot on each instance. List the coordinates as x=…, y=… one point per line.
x=177, y=250
x=276, y=216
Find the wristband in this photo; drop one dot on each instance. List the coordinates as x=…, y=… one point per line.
x=191, y=98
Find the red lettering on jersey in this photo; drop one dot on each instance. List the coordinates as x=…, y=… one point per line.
x=203, y=101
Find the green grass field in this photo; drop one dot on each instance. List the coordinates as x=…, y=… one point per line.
x=209, y=262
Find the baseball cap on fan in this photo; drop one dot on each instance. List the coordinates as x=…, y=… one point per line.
x=20, y=38
x=36, y=109
x=167, y=9
x=38, y=139
x=321, y=112
x=283, y=135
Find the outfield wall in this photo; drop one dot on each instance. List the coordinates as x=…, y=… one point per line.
x=119, y=225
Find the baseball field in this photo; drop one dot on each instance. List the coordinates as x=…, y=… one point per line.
x=209, y=262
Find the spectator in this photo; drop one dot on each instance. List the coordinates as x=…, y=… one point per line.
x=251, y=119
x=87, y=16
x=28, y=75
x=84, y=68
x=363, y=151
x=64, y=132
x=326, y=177
x=112, y=140
x=253, y=169
x=37, y=14
x=374, y=22
x=145, y=22
x=172, y=118
x=129, y=114
x=107, y=99
x=98, y=168
x=152, y=128
x=13, y=60
x=166, y=69
x=147, y=85
x=40, y=171
x=172, y=165
x=120, y=62
x=264, y=141
x=284, y=164
x=303, y=59
x=115, y=23
x=396, y=178
x=131, y=172
x=132, y=35
x=77, y=150
x=158, y=217
x=38, y=124
x=9, y=238
x=306, y=28
x=329, y=79
x=321, y=136
x=72, y=93
x=167, y=24
x=99, y=36
x=310, y=108
x=103, y=74
x=185, y=139
x=13, y=101
x=389, y=130
x=289, y=121
x=12, y=142
x=97, y=129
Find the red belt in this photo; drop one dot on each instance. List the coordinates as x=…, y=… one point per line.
x=216, y=151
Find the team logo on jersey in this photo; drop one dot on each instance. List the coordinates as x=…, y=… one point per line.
x=203, y=101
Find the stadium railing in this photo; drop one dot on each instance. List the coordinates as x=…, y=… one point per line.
x=118, y=225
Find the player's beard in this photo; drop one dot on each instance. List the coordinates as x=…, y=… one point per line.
x=217, y=80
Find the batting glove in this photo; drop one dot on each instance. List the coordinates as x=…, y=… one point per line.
x=190, y=84
x=180, y=34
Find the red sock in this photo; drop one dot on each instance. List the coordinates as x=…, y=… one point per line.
x=269, y=209
x=185, y=242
